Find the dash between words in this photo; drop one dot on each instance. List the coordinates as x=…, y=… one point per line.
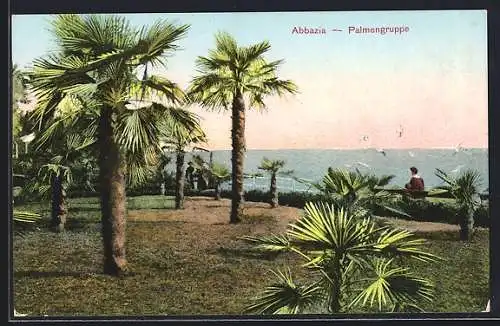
x=354, y=30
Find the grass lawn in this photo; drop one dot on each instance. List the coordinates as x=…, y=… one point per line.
x=183, y=267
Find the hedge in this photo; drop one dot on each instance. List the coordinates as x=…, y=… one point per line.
x=419, y=209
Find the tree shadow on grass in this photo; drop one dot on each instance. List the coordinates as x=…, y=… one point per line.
x=50, y=274
x=477, y=236
x=83, y=209
x=246, y=253
x=438, y=235
x=78, y=225
x=215, y=205
x=56, y=274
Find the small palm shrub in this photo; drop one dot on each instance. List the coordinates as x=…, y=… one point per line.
x=274, y=168
x=352, y=263
x=465, y=189
x=219, y=174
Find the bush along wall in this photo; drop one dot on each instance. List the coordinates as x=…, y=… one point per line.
x=291, y=199
x=441, y=212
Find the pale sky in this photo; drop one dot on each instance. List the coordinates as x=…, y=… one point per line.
x=431, y=80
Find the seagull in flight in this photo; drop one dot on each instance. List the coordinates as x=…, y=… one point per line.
x=363, y=164
x=381, y=151
x=457, y=169
x=458, y=148
x=411, y=154
x=400, y=131
x=364, y=138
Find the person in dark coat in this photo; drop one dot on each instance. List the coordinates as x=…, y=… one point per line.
x=416, y=182
x=190, y=175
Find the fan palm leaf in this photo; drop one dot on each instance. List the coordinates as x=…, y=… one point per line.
x=393, y=286
x=285, y=296
x=340, y=249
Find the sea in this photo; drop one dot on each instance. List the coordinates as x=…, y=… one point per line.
x=312, y=164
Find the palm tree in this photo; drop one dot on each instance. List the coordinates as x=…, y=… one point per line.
x=102, y=65
x=273, y=167
x=220, y=173
x=230, y=75
x=202, y=169
x=178, y=137
x=62, y=146
x=351, y=261
x=465, y=189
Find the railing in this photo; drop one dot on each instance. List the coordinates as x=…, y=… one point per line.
x=428, y=193
x=283, y=184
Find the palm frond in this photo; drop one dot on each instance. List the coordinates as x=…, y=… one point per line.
x=253, y=52
x=394, y=242
x=273, y=242
x=212, y=90
x=141, y=164
x=271, y=165
x=393, y=286
x=136, y=129
x=230, y=68
x=285, y=296
x=164, y=89
x=220, y=172
x=159, y=39
x=25, y=216
x=92, y=34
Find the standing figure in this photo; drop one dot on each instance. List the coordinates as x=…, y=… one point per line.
x=190, y=175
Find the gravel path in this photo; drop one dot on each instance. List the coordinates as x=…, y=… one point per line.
x=205, y=210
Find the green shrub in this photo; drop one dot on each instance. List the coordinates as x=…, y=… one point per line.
x=291, y=199
x=482, y=216
x=429, y=211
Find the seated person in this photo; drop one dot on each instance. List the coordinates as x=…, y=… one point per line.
x=416, y=182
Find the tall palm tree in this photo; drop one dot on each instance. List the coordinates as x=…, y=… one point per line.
x=230, y=76
x=220, y=173
x=178, y=137
x=102, y=64
x=351, y=261
x=273, y=167
x=465, y=189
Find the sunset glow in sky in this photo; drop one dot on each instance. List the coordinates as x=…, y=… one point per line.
x=431, y=80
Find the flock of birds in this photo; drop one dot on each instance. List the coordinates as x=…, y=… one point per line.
x=399, y=133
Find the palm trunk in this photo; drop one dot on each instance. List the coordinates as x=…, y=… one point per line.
x=217, y=190
x=59, y=211
x=335, y=298
x=179, y=181
x=113, y=197
x=466, y=223
x=274, y=191
x=238, y=157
